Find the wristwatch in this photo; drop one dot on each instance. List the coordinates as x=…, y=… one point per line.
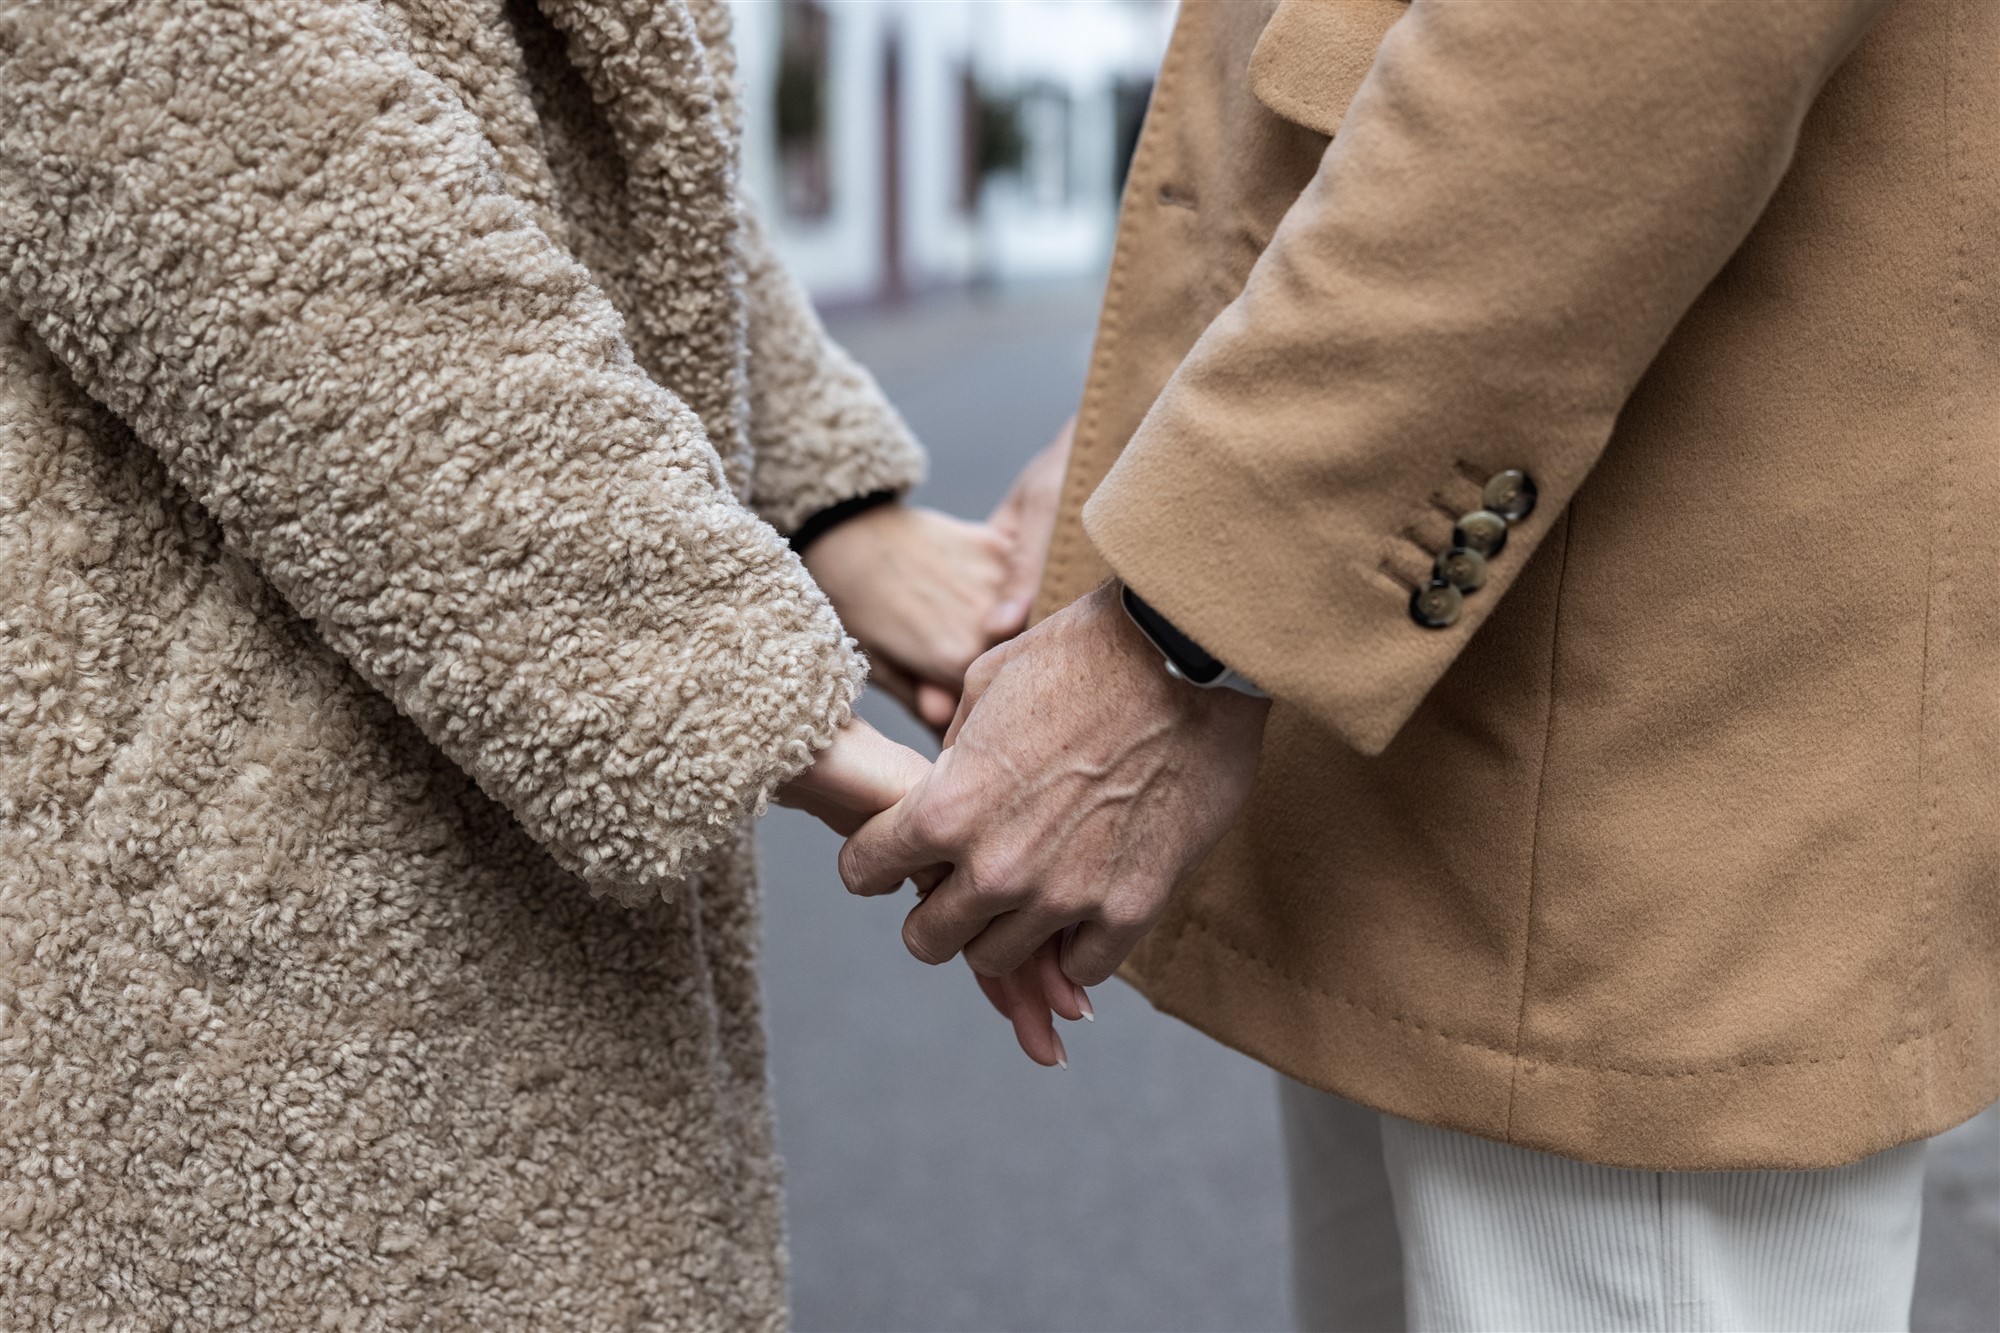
x=1185, y=659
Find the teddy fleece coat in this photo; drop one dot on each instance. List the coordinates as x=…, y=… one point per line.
x=396, y=406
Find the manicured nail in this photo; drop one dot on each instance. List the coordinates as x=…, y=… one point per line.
x=1062, y=1054
x=1083, y=1003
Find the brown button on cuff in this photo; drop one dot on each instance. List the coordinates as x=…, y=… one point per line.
x=1436, y=605
x=1461, y=567
x=1509, y=497
x=1482, y=531
x=1510, y=494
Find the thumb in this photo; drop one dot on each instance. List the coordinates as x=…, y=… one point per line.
x=861, y=773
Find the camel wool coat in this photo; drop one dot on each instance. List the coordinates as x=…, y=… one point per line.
x=1676, y=844
x=396, y=406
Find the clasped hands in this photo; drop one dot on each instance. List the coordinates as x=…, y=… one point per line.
x=1077, y=784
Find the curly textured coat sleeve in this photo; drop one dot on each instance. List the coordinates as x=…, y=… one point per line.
x=823, y=432
x=279, y=251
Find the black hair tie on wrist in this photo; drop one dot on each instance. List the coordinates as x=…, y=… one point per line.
x=831, y=517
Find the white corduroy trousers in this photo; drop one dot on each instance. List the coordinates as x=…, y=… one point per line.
x=1398, y=1225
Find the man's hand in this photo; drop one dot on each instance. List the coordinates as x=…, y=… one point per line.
x=1078, y=784
x=918, y=590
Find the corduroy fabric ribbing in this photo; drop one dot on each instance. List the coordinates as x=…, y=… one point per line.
x=1397, y=1226
x=1497, y=1237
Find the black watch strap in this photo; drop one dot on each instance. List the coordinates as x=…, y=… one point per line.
x=1190, y=661
x=1185, y=658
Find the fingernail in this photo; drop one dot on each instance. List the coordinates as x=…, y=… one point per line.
x=1083, y=1003
x=1062, y=1054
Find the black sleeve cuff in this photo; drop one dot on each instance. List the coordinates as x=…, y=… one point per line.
x=831, y=517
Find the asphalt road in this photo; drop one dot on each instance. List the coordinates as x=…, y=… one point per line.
x=938, y=1181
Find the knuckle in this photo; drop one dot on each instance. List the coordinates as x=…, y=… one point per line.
x=993, y=877
x=935, y=822
x=985, y=959
x=1071, y=902
x=1124, y=916
x=985, y=667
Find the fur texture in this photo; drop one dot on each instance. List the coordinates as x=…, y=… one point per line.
x=390, y=666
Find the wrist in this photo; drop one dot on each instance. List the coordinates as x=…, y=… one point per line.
x=1181, y=657
x=844, y=555
x=1148, y=678
x=831, y=519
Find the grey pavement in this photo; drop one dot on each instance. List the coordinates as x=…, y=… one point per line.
x=938, y=1180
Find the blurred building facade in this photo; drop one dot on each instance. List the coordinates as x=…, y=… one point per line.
x=898, y=146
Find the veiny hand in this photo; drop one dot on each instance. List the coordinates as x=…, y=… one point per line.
x=1079, y=783
x=1027, y=517
x=917, y=590
x=858, y=776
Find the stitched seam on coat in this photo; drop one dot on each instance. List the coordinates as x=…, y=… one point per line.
x=1390, y=572
x=1535, y=828
x=1196, y=922
x=1924, y=976
x=1069, y=541
x=1936, y=578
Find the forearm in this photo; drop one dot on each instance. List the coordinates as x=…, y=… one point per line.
x=282, y=257
x=1522, y=201
x=823, y=430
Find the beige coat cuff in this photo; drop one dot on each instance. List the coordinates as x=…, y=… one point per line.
x=1520, y=203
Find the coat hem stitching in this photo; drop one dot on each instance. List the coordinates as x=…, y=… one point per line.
x=1194, y=922
x=1535, y=830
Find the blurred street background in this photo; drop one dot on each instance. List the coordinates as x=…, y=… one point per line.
x=943, y=175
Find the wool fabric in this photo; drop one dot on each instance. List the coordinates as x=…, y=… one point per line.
x=1676, y=848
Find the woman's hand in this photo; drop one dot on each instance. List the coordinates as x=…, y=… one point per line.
x=917, y=589
x=1032, y=995
x=856, y=778
x=1027, y=518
